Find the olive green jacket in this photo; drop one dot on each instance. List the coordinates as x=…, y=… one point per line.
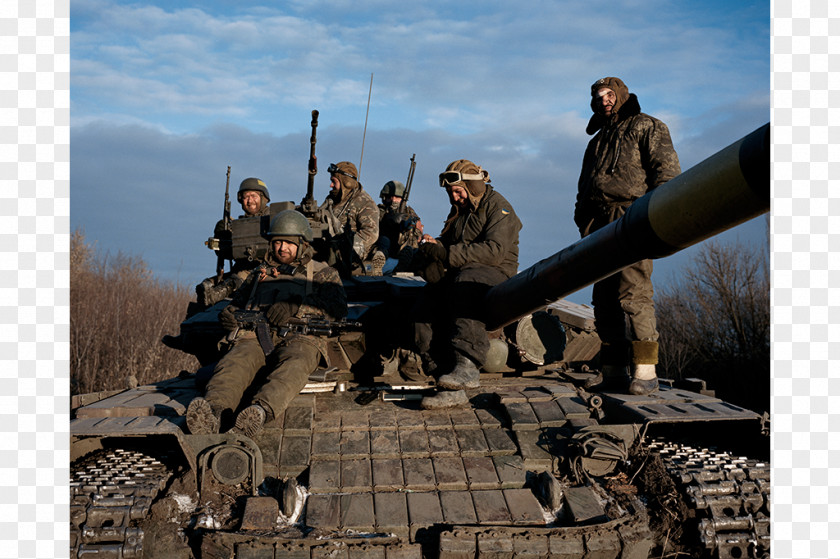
x=487, y=235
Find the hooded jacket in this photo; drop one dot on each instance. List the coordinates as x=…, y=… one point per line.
x=487, y=235
x=630, y=154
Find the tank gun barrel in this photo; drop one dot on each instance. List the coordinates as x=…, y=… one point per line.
x=725, y=190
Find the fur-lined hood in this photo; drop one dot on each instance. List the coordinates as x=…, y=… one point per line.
x=628, y=108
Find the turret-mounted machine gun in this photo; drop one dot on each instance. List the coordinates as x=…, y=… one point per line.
x=244, y=237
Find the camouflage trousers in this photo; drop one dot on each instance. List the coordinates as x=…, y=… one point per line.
x=290, y=364
x=449, y=315
x=624, y=306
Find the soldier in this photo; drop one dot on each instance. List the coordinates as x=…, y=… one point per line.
x=254, y=199
x=630, y=155
x=289, y=283
x=399, y=231
x=352, y=217
x=477, y=248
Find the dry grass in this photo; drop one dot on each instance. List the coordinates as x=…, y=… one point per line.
x=118, y=314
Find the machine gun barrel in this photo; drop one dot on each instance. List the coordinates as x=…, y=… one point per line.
x=725, y=190
x=309, y=205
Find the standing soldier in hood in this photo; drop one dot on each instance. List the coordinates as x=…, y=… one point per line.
x=254, y=199
x=630, y=155
x=477, y=249
x=289, y=283
x=352, y=217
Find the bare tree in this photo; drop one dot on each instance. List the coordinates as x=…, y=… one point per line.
x=715, y=324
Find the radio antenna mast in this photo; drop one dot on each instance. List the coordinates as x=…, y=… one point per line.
x=365, y=130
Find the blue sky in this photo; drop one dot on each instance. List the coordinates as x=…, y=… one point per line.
x=166, y=95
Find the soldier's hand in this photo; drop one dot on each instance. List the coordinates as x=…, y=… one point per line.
x=408, y=223
x=433, y=272
x=279, y=314
x=227, y=319
x=435, y=252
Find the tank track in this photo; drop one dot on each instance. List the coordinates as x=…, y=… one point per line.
x=730, y=497
x=111, y=491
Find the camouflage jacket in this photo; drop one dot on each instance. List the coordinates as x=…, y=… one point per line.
x=488, y=235
x=314, y=285
x=630, y=155
x=403, y=233
x=356, y=212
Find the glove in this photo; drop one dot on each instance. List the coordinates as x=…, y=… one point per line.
x=279, y=314
x=408, y=223
x=433, y=272
x=227, y=320
x=435, y=252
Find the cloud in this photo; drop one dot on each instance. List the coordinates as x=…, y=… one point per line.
x=163, y=99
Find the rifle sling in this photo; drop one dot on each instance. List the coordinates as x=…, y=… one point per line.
x=264, y=337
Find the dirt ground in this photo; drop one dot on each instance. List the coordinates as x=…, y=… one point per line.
x=670, y=518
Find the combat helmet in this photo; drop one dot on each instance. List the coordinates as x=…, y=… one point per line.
x=255, y=184
x=392, y=188
x=289, y=223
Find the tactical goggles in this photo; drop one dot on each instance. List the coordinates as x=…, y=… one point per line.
x=333, y=169
x=451, y=177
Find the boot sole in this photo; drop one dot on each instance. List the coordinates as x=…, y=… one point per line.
x=250, y=421
x=200, y=418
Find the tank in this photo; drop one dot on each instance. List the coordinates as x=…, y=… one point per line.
x=534, y=466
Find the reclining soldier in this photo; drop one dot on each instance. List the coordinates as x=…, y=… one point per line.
x=254, y=199
x=288, y=284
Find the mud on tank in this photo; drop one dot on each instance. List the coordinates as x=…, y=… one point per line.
x=535, y=466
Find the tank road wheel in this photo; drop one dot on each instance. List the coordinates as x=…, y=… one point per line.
x=111, y=492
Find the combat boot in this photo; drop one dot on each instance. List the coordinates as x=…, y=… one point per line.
x=444, y=399
x=644, y=355
x=202, y=419
x=377, y=263
x=644, y=380
x=250, y=421
x=464, y=375
x=612, y=378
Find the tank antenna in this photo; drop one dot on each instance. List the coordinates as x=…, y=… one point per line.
x=364, y=133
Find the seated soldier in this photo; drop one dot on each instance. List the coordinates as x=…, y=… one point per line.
x=352, y=218
x=400, y=229
x=254, y=199
x=477, y=249
x=288, y=283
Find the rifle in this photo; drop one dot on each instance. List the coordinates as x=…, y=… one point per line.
x=220, y=260
x=396, y=221
x=308, y=205
x=308, y=325
x=408, y=182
